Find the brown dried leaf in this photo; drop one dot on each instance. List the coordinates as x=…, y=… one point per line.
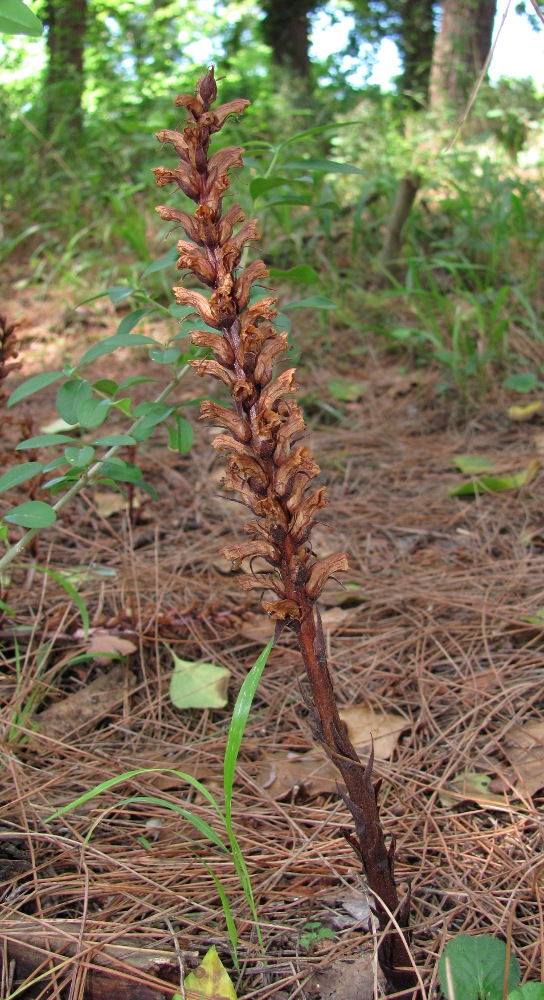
x=525, y=748
x=365, y=725
x=105, y=645
x=347, y=979
x=85, y=708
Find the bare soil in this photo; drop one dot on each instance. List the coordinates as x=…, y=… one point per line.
x=439, y=624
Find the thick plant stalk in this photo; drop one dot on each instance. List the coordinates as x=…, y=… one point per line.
x=270, y=468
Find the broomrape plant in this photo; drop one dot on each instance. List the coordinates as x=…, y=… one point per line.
x=271, y=469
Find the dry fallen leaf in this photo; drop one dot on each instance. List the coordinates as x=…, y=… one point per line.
x=86, y=707
x=472, y=787
x=365, y=725
x=346, y=979
x=280, y=773
x=525, y=748
x=105, y=645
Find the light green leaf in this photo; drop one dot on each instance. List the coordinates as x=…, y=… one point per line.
x=32, y=514
x=32, y=385
x=495, y=484
x=17, y=19
x=313, y=302
x=345, y=391
x=238, y=724
x=211, y=980
x=473, y=464
x=302, y=274
x=198, y=685
x=19, y=474
x=476, y=968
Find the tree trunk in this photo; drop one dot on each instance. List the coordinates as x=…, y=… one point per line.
x=64, y=80
x=286, y=28
x=461, y=49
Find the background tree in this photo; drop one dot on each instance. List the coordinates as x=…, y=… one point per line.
x=286, y=29
x=66, y=22
x=461, y=49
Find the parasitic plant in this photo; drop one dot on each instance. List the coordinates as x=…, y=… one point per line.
x=8, y=351
x=272, y=469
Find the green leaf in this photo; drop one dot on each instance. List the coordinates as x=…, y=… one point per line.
x=211, y=980
x=472, y=464
x=107, y=386
x=71, y=396
x=495, y=484
x=323, y=166
x=17, y=19
x=198, y=685
x=113, y=343
x=151, y=414
x=93, y=412
x=345, y=391
x=135, y=380
x=522, y=382
x=260, y=185
x=129, y=322
x=167, y=260
x=19, y=474
x=71, y=591
x=238, y=724
x=180, y=435
x=164, y=356
x=118, y=293
x=302, y=274
x=476, y=968
x=111, y=440
x=32, y=514
x=43, y=441
x=179, y=312
x=119, y=471
x=32, y=385
x=54, y=464
x=79, y=456
x=313, y=302
x=529, y=991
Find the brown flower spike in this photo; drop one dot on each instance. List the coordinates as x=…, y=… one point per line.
x=268, y=465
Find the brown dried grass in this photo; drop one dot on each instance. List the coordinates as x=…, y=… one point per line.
x=439, y=636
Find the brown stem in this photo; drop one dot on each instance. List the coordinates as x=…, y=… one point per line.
x=361, y=800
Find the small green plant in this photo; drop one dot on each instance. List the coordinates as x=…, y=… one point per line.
x=236, y=731
x=312, y=932
x=475, y=968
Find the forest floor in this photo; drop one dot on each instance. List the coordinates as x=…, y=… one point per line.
x=435, y=640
